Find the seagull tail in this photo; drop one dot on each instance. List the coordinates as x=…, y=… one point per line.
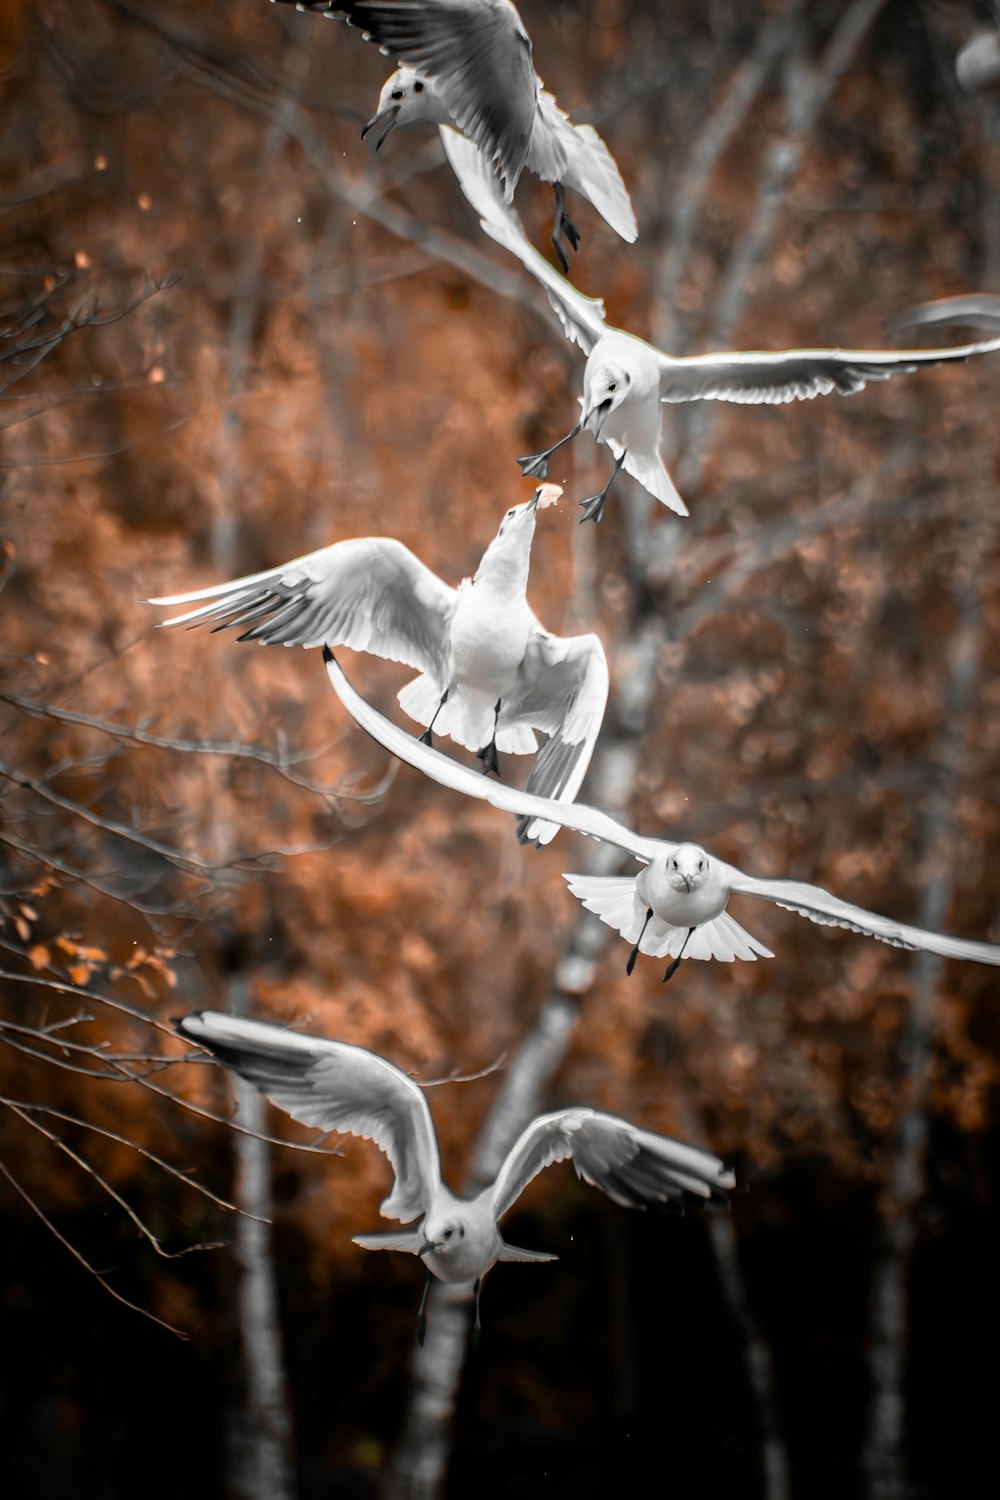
x=613, y=898
x=649, y=469
x=465, y=722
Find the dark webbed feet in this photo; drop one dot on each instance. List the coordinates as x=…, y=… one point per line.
x=421, y=1314
x=635, y=951
x=490, y=759
x=476, y=1325
x=563, y=229
x=676, y=963
x=594, y=505
x=535, y=464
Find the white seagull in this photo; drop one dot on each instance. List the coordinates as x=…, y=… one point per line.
x=676, y=905
x=468, y=63
x=339, y=1087
x=626, y=380
x=491, y=674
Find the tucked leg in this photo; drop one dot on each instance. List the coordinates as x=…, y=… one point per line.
x=421, y=1317
x=593, y=508
x=635, y=951
x=675, y=964
x=537, y=464
x=563, y=229
x=427, y=738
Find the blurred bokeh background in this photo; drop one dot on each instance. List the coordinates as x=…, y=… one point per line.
x=232, y=334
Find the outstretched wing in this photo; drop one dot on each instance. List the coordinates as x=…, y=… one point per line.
x=478, y=56
x=978, y=309
x=754, y=377
x=447, y=772
x=562, y=690
x=582, y=318
x=818, y=905
x=369, y=593
x=634, y=1167
x=336, y=1087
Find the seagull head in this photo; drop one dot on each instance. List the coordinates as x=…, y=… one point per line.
x=687, y=867
x=405, y=96
x=442, y=1237
x=509, y=553
x=606, y=388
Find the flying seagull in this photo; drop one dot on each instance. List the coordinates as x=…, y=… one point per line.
x=468, y=63
x=676, y=904
x=626, y=380
x=339, y=1087
x=491, y=674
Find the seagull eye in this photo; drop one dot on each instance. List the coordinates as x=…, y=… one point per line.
x=418, y=87
x=448, y=1233
x=509, y=514
x=701, y=864
x=397, y=94
x=461, y=1232
x=674, y=863
x=611, y=385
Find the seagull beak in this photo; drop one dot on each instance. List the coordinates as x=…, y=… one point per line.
x=428, y=1246
x=391, y=114
x=595, y=416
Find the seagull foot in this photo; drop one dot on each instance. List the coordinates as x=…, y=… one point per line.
x=426, y=738
x=593, y=508
x=421, y=1327
x=672, y=969
x=490, y=759
x=536, y=465
x=631, y=959
x=564, y=229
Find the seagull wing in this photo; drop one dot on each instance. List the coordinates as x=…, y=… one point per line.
x=582, y=318
x=369, y=593
x=980, y=309
x=563, y=690
x=634, y=1167
x=448, y=772
x=818, y=905
x=478, y=56
x=336, y=1087
x=755, y=377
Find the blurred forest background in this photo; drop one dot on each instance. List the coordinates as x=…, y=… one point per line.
x=231, y=333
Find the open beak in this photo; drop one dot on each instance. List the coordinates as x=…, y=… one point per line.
x=595, y=417
x=389, y=114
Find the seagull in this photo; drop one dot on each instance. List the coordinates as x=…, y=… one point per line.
x=676, y=905
x=468, y=63
x=626, y=380
x=491, y=674
x=339, y=1087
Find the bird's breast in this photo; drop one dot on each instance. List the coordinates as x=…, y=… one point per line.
x=681, y=908
x=489, y=636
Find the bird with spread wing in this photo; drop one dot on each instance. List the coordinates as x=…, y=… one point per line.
x=468, y=63
x=676, y=905
x=339, y=1087
x=491, y=674
x=626, y=381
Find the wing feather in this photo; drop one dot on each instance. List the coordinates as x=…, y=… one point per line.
x=447, y=772
x=368, y=593
x=818, y=905
x=634, y=1167
x=335, y=1087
